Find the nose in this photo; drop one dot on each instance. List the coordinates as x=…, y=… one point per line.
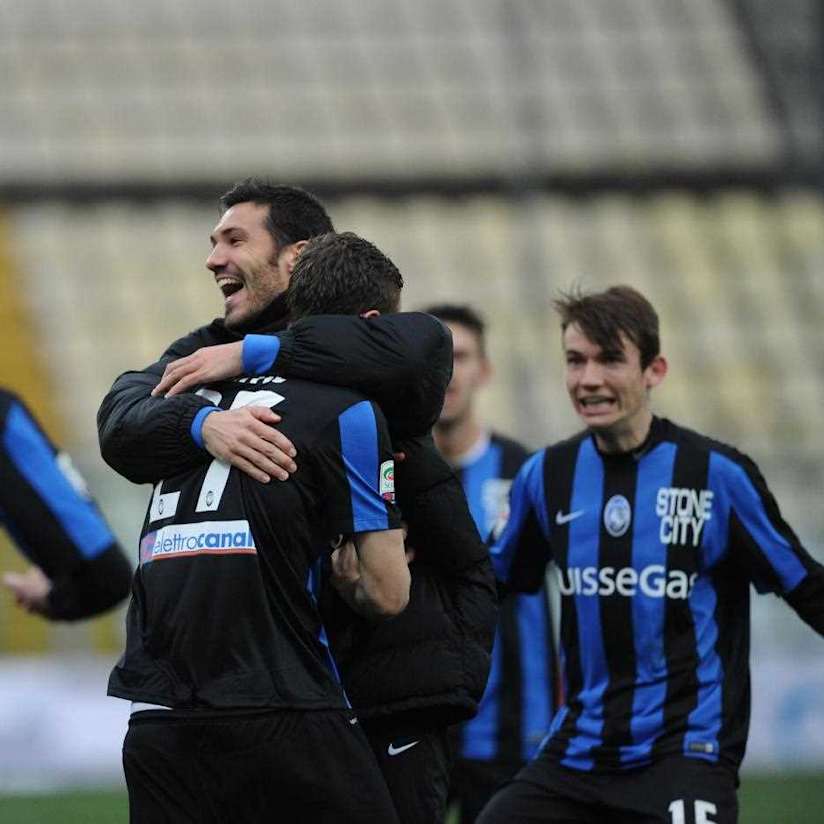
x=591, y=374
x=217, y=258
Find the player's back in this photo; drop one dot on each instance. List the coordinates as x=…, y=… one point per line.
x=223, y=611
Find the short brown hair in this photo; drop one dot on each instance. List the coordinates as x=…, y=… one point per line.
x=293, y=213
x=603, y=316
x=342, y=274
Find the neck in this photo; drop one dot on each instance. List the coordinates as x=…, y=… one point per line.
x=455, y=438
x=626, y=439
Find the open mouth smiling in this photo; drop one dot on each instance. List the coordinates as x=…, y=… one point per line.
x=229, y=286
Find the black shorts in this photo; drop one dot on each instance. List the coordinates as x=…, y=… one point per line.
x=416, y=770
x=274, y=766
x=675, y=790
x=473, y=782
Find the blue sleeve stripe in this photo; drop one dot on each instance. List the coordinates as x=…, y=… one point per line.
x=196, y=429
x=528, y=483
x=359, y=447
x=34, y=458
x=259, y=353
x=750, y=509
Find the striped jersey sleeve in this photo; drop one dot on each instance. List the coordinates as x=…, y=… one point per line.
x=44, y=501
x=521, y=552
x=47, y=510
x=762, y=540
x=357, y=472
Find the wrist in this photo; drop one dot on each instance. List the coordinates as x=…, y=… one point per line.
x=196, y=429
x=259, y=354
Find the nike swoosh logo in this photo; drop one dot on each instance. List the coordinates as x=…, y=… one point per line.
x=564, y=518
x=393, y=750
x=353, y=721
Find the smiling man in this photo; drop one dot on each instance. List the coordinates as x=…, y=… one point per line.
x=657, y=533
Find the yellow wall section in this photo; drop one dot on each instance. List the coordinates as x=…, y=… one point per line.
x=22, y=369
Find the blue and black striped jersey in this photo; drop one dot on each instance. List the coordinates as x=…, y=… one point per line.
x=224, y=612
x=516, y=709
x=656, y=550
x=48, y=511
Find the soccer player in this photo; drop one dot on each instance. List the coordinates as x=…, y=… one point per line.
x=517, y=705
x=412, y=677
x=657, y=533
x=79, y=569
x=238, y=711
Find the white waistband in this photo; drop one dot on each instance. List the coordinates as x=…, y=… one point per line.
x=142, y=706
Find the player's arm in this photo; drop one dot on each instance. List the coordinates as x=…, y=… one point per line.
x=147, y=438
x=403, y=361
x=354, y=465
x=371, y=574
x=522, y=550
x=78, y=568
x=764, y=543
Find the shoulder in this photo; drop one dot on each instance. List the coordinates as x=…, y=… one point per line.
x=725, y=460
x=567, y=447
x=321, y=404
x=7, y=400
x=10, y=400
x=687, y=438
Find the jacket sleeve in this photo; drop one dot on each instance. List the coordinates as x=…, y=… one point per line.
x=434, y=506
x=445, y=537
x=55, y=523
x=146, y=439
x=402, y=361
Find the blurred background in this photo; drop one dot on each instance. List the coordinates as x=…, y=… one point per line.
x=497, y=150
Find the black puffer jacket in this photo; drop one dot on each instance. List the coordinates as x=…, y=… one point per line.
x=427, y=667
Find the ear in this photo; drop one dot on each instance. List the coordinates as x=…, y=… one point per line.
x=370, y=313
x=656, y=371
x=289, y=254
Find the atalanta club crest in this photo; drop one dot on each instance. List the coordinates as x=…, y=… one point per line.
x=617, y=516
x=387, y=481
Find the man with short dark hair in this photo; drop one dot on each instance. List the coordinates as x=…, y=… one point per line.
x=518, y=702
x=78, y=567
x=238, y=713
x=412, y=677
x=657, y=533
